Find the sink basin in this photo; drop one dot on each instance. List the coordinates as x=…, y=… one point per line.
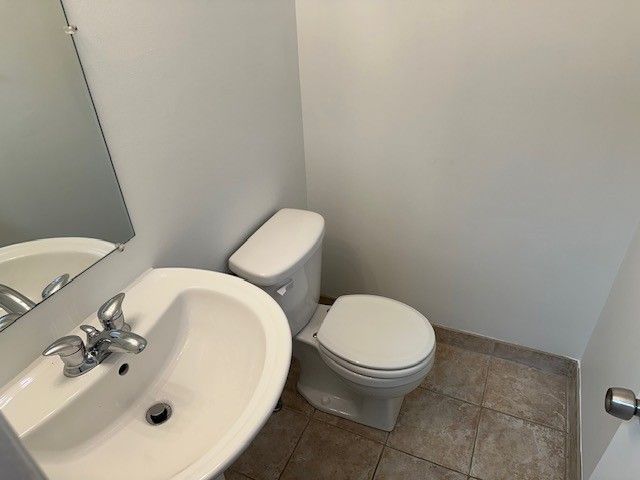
x=28, y=267
x=218, y=353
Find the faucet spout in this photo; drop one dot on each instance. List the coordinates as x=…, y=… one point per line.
x=124, y=342
x=13, y=301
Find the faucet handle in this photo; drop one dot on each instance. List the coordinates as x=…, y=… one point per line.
x=55, y=285
x=90, y=331
x=111, y=316
x=70, y=349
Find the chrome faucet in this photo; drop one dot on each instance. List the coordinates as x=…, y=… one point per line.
x=55, y=285
x=14, y=304
x=13, y=301
x=80, y=357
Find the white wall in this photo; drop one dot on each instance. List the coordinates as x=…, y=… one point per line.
x=57, y=179
x=610, y=360
x=478, y=160
x=200, y=105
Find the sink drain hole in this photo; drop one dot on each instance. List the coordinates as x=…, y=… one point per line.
x=124, y=368
x=158, y=413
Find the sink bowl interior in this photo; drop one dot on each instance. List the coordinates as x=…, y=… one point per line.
x=210, y=356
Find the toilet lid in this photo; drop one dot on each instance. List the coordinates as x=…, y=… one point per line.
x=376, y=332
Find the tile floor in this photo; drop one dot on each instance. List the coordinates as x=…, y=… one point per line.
x=475, y=416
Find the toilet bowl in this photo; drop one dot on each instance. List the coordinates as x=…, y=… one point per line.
x=359, y=357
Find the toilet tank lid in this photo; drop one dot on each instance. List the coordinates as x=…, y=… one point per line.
x=279, y=247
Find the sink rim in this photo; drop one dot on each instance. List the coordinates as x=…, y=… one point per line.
x=88, y=245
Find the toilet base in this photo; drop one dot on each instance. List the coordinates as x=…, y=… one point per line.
x=377, y=413
x=329, y=392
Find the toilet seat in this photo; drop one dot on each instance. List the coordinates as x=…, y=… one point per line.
x=373, y=373
x=377, y=382
x=376, y=337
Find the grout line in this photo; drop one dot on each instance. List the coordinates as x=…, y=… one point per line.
x=433, y=390
x=555, y=429
x=484, y=391
x=295, y=447
x=382, y=444
x=378, y=462
x=494, y=410
x=248, y=476
x=425, y=460
x=285, y=407
x=243, y=474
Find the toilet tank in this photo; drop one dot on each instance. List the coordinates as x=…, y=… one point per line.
x=283, y=257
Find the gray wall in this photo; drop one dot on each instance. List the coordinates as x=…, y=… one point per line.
x=610, y=360
x=475, y=159
x=200, y=105
x=57, y=179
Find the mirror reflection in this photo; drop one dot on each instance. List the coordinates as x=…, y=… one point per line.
x=61, y=208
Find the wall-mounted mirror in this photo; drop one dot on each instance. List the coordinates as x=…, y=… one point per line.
x=61, y=208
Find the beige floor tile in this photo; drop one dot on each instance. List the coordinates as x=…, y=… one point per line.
x=526, y=393
x=509, y=448
x=395, y=465
x=267, y=455
x=458, y=372
x=437, y=428
x=328, y=452
x=357, y=428
x=290, y=396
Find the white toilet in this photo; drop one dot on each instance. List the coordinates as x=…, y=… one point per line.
x=359, y=357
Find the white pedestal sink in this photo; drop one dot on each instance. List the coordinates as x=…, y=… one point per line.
x=218, y=353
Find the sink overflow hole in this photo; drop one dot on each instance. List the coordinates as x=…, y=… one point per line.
x=124, y=368
x=158, y=413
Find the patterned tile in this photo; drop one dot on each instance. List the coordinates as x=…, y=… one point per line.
x=395, y=465
x=459, y=373
x=527, y=393
x=267, y=455
x=328, y=452
x=436, y=428
x=508, y=448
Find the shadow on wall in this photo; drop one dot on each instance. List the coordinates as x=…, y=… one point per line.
x=345, y=267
